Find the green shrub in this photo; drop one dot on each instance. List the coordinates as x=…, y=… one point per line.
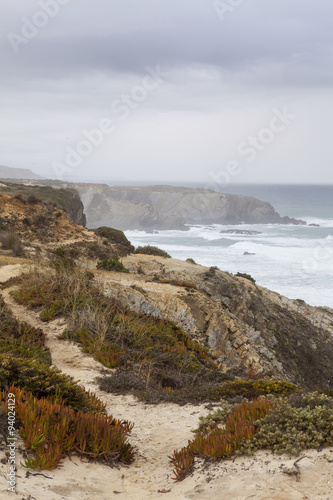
x=302, y=422
x=112, y=265
x=115, y=236
x=60, y=252
x=278, y=424
x=246, y=276
x=190, y=261
x=151, y=250
x=64, y=258
x=299, y=422
x=33, y=200
x=43, y=381
x=19, y=198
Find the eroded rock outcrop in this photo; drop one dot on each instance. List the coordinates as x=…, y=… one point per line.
x=169, y=207
x=247, y=328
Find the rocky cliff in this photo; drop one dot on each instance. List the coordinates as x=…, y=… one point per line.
x=168, y=207
x=249, y=329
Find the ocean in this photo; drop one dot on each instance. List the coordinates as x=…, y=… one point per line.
x=295, y=261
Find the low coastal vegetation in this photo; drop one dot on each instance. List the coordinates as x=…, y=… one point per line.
x=153, y=359
x=190, y=261
x=112, y=265
x=11, y=241
x=51, y=430
x=222, y=442
x=151, y=250
x=115, y=236
x=56, y=415
x=20, y=339
x=246, y=276
x=282, y=425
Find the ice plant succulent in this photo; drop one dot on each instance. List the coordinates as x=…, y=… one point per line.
x=52, y=430
x=221, y=442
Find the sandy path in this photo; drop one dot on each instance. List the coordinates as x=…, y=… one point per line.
x=158, y=431
x=10, y=271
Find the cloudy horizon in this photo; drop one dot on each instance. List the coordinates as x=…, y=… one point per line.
x=209, y=91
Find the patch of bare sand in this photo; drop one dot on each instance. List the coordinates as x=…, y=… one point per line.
x=158, y=431
x=10, y=271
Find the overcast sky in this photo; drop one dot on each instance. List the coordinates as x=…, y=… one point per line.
x=168, y=90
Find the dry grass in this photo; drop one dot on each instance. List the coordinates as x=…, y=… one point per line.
x=11, y=241
x=6, y=260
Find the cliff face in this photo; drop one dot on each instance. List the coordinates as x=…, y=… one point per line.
x=43, y=227
x=248, y=329
x=167, y=207
x=67, y=199
x=151, y=207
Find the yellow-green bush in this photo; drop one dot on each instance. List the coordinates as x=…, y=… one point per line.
x=302, y=422
x=251, y=389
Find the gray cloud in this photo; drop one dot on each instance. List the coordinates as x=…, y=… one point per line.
x=224, y=78
x=85, y=37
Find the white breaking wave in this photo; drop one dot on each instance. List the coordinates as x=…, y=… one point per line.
x=296, y=261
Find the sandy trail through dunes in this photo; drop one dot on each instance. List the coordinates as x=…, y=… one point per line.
x=158, y=431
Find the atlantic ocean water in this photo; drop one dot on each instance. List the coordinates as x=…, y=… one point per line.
x=295, y=261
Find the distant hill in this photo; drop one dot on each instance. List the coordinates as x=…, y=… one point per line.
x=17, y=173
